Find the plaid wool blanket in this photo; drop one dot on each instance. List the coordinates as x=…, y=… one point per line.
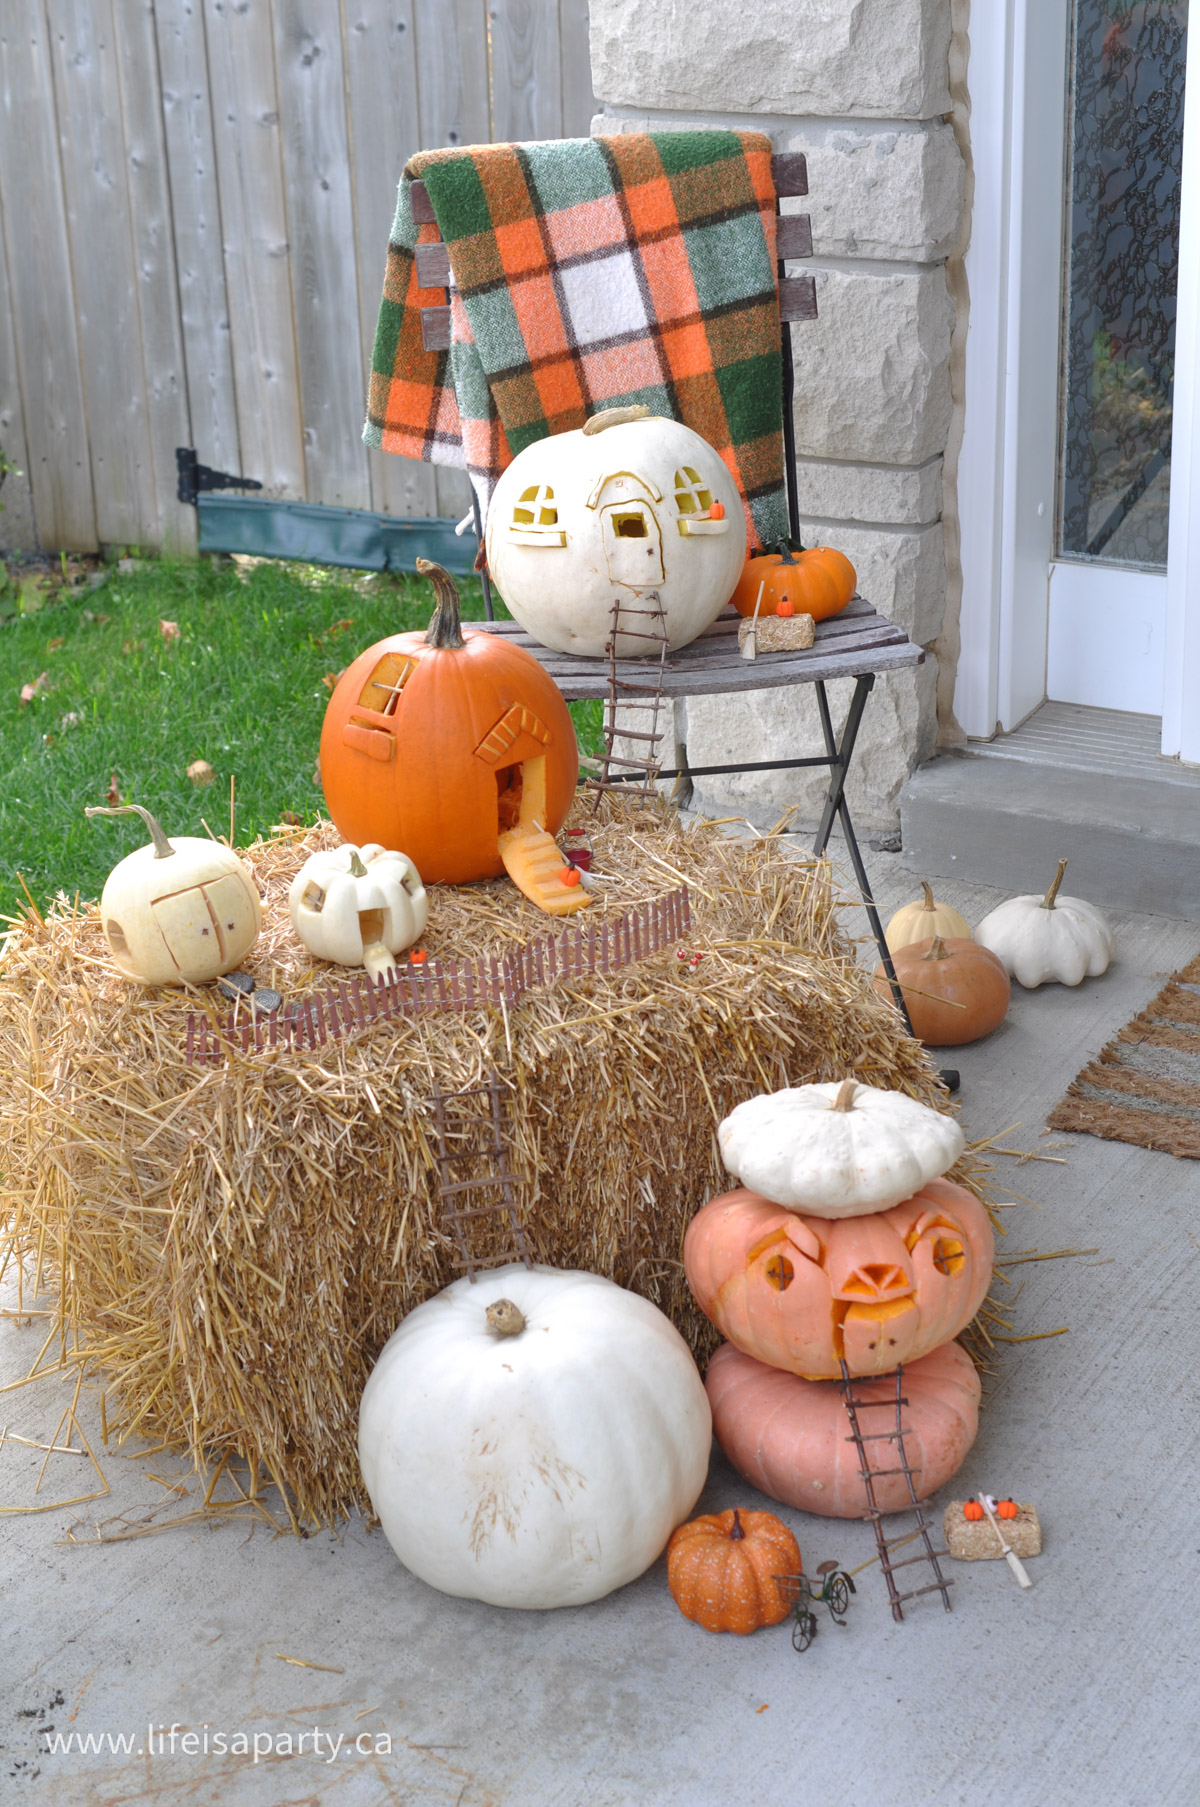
x=589, y=273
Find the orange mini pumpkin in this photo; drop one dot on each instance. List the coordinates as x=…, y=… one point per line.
x=817, y=582
x=951, y=993
x=972, y=1511
x=439, y=742
x=721, y=1569
x=803, y=1293
x=1007, y=1509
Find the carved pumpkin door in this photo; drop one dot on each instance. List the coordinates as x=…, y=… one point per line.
x=632, y=543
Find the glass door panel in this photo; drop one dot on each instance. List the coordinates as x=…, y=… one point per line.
x=1126, y=157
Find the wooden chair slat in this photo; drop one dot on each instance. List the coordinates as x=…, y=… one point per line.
x=433, y=265
x=422, y=206
x=798, y=298
x=435, y=328
x=794, y=234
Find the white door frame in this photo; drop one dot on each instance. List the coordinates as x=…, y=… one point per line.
x=1017, y=79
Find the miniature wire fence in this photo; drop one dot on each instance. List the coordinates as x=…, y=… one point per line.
x=434, y=985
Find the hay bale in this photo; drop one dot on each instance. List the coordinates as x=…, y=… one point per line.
x=233, y=1244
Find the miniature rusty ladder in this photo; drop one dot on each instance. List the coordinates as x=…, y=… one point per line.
x=870, y=1475
x=645, y=700
x=503, y=1212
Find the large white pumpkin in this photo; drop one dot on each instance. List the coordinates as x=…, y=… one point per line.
x=838, y=1150
x=580, y=519
x=541, y=1456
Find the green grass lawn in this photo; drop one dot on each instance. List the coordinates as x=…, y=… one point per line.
x=241, y=688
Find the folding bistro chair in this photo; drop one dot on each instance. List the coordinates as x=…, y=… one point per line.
x=858, y=643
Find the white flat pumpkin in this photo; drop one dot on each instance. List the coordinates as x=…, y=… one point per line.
x=533, y=1438
x=837, y=1150
x=1050, y=939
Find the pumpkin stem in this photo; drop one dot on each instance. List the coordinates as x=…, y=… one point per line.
x=445, y=630
x=615, y=417
x=162, y=847
x=1052, y=893
x=735, y=1530
x=505, y=1318
x=357, y=869
x=938, y=950
x=929, y=903
x=785, y=548
x=845, y=1098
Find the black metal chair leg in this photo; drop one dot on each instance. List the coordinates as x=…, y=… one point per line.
x=836, y=805
x=488, y=610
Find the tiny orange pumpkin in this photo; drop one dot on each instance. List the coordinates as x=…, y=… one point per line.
x=1007, y=1509
x=721, y=1569
x=972, y=1510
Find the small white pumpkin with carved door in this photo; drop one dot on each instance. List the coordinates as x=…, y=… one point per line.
x=182, y=910
x=358, y=906
x=627, y=506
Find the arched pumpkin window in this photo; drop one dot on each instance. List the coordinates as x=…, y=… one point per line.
x=535, y=518
x=691, y=497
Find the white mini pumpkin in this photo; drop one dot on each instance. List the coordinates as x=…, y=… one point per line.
x=1061, y=940
x=180, y=910
x=837, y=1150
x=358, y=906
x=616, y=511
x=533, y=1438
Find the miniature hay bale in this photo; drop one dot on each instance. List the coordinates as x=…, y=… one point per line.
x=233, y=1244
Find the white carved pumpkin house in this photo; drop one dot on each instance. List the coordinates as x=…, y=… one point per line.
x=628, y=508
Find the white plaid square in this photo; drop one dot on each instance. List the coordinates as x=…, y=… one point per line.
x=602, y=299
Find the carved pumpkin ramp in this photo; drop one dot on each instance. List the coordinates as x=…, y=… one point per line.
x=535, y=864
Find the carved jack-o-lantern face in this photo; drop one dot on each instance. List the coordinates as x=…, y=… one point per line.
x=440, y=742
x=805, y=1293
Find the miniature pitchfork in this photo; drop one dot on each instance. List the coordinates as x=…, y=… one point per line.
x=1010, y=1555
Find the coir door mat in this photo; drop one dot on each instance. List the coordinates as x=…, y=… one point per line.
x=1145, y=1086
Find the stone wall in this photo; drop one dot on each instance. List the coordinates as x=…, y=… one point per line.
x=862, y=88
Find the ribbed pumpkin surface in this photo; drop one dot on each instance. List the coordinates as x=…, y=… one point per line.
x=726, y=1581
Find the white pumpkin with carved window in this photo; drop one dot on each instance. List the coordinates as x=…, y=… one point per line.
x=358, y=906
x=628, y=507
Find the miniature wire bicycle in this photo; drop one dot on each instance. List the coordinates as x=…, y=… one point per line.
x=796, y=1591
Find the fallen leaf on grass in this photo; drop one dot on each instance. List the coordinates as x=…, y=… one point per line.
x=200, y=772
x=53, y=645
x=29, y=691
x=330, y=679
x=170, y=630
x=73, y=719
x=340, y=627
x=112, y=795
x=291, y=819
x=131, y=646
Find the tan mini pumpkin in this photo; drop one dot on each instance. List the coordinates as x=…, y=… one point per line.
x=178, y=911
x=790, y=1437
x=805, y=1293
x=922, y=920
x=358, y=906
x=955, y=991
x=721, y=1569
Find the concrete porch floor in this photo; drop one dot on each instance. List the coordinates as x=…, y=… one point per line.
x=1079, y=1693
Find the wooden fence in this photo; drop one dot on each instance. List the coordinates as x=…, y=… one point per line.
x=195, y=198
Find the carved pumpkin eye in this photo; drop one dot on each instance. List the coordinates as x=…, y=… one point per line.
x=949, y=1256
x=779, y=1272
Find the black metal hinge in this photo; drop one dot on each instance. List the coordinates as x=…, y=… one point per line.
x=195, y=477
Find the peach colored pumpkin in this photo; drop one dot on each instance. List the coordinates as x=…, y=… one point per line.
x=804, y=1292
x=953, y=995
x=788, y=1436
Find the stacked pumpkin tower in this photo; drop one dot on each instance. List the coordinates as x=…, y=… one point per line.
x=844, y=1254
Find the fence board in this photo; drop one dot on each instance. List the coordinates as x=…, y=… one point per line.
x=39, y=261
x=164, y=378
x=12, y=415
x=380, y=50
x=254, y=230
x=452, y=72
x=92, y=144
x=200, y=265
x=579, y=104
x=316, y=161
x=526, y=70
